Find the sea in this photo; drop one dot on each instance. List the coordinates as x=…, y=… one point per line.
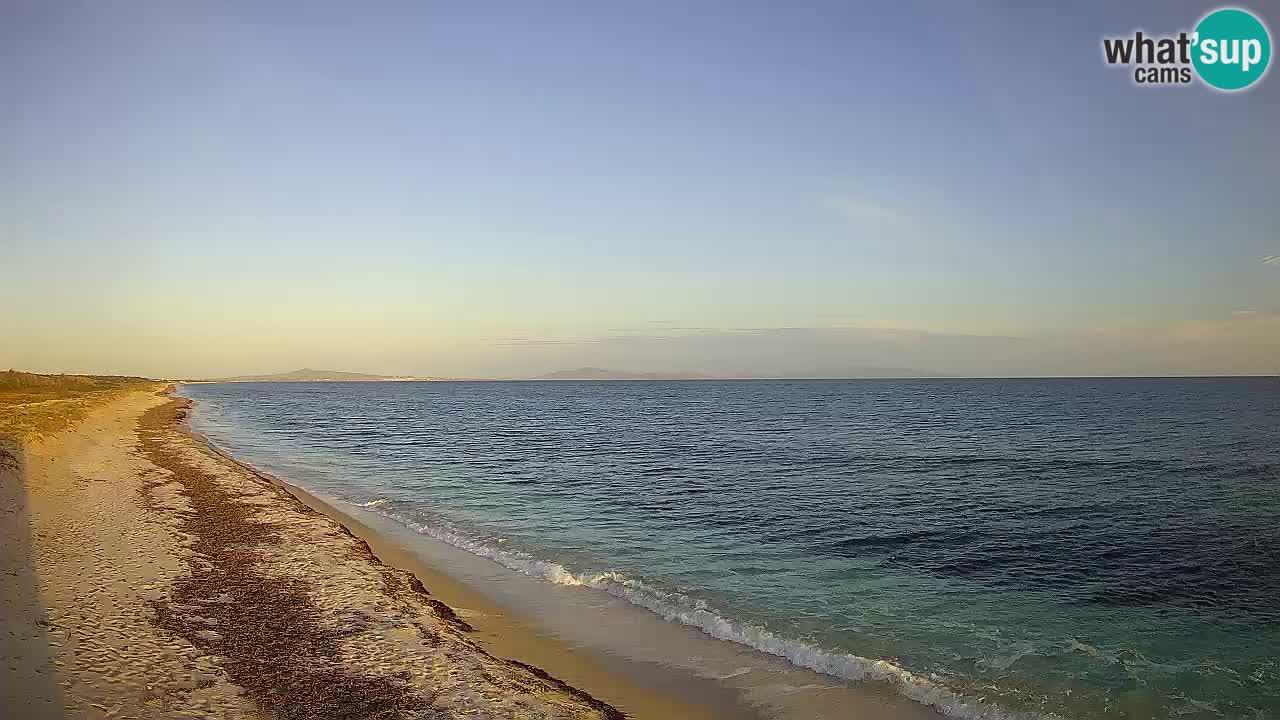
x=990, y=548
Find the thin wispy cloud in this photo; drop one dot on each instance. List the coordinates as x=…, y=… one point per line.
x=1242, y=341
x=869, y=210
x=799, y=351
x=533, y=342
x=673, y=329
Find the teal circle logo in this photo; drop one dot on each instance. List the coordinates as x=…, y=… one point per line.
x=1231, y=49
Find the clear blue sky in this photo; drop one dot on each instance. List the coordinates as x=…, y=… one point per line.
x=504, y=188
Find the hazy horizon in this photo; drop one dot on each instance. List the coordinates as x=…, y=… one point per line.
x=626, y=375
x=747, y=189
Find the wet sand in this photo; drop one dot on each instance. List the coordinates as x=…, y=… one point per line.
x=570, y=628
x=147, y=577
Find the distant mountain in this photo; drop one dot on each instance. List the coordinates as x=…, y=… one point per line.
x=582, y=373
x=595, y=373
x=309, y=375
x=857, y=372
x=861, y=371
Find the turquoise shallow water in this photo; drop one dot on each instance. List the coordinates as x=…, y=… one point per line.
x=1069, y=548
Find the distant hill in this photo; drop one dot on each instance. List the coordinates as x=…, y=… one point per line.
x=309, y=375
x=581, y=373
x=595, y=373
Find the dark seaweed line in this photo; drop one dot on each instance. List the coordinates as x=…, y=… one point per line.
x=269, y=633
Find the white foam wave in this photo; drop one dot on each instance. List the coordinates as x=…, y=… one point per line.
x=676, y=607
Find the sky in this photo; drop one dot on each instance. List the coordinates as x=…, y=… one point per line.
x=503, y=189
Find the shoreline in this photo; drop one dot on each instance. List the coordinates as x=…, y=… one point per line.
x=156, y=579
x=508, y=636
x=157, y=576
x=749, y=684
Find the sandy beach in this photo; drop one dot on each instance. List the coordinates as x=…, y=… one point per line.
x=150, y=575
x=146, y=576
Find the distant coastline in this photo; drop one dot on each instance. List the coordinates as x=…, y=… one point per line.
x=595, y=374
x=309, y=375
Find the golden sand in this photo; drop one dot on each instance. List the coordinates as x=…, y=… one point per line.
x=148, y=577
x=145, y=575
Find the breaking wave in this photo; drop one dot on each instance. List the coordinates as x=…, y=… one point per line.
x=679, y=608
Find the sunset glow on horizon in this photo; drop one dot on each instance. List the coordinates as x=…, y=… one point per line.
x=205, y=190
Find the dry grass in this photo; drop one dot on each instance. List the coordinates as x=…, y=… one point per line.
x=34, y=406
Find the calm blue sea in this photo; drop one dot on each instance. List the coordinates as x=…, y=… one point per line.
x=1080, y=548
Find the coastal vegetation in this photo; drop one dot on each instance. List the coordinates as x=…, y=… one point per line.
x=34, y=405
